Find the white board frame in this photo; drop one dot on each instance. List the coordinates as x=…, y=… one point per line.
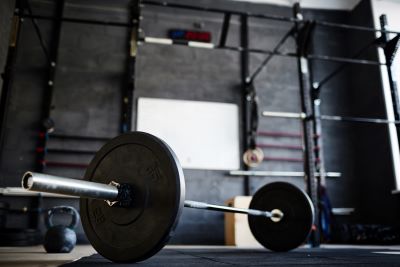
x=204, y=135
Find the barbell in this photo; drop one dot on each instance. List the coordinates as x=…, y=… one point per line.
x=133, y=193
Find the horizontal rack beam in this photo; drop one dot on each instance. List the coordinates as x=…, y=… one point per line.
x=64, y=151
x=167, y=41
x=217, y=10
x=267, y=16
x=77, y=20
x=303, y=116
x=78, y=137
x=279, y=173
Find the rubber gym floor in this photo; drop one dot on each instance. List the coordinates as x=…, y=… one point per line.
x=327, y=255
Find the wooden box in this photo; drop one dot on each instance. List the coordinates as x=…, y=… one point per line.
x=237, y=231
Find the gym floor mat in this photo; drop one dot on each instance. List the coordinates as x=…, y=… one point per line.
x=259, y=257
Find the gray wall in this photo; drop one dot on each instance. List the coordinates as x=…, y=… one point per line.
x=338, y=138
x=6, y=13
x=374, y=172
x=90, y=77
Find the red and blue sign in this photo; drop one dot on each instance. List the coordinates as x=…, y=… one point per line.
x=187, y=35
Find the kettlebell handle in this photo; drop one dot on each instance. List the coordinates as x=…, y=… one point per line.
x=62, y=210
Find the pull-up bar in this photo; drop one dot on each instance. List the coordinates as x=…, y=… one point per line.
x=166, y=41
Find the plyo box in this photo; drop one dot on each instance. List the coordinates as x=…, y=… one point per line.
x=237, y=230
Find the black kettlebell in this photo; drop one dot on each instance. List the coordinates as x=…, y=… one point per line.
x=60, y=238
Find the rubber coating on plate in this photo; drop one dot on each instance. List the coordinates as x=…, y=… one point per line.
x=296, y=223
x=151, y=167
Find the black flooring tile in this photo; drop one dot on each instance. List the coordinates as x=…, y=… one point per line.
x=257, y=257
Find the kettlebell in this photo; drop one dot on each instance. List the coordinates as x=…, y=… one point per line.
x=60, y=238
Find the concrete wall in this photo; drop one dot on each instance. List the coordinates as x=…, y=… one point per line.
x=374, y=170
x=338, y=138
x=362, y=151
x=89, y=80
x=6, y=12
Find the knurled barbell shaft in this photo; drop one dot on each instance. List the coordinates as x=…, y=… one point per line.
x=73, y=187
x=206, y=206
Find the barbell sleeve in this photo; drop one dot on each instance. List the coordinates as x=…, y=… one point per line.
x=66, y=186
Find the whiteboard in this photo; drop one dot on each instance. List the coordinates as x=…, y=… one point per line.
x=204, y=135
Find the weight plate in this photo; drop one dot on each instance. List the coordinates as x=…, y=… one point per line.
x=253, y=157
x=293, y=229
x=150, y=166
